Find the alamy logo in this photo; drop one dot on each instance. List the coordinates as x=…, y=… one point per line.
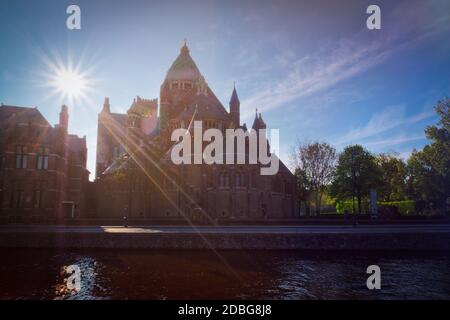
x=374, y=280
x=374, y=20
x=73, y=282
x=214, y=152
x=74, y=20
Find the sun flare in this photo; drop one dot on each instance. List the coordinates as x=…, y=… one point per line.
x=68, y=81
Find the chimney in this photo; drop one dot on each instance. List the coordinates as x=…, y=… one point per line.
x=64, y=117
x=106, y=107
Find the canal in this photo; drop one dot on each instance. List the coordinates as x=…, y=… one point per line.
x=175, y=274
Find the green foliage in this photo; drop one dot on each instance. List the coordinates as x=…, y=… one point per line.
x=356, y=174
x=302, y=184
x=429, y=169
x=405, y=207
x=346, y=205
x=315, y=169
x=394, y=172
x=303, y=192
x=423, y=183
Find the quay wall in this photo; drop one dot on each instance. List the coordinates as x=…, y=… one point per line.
x=229, y=241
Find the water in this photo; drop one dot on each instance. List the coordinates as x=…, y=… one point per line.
x=145, y=274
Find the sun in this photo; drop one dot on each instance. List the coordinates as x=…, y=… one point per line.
x=70, y=83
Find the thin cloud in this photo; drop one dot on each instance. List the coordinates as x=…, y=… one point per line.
x=312, y=74
x=393, y=141
x=388, y=119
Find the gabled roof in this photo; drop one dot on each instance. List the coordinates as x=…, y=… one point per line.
x=21, y=115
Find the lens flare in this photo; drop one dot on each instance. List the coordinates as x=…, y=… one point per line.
x=69, y=81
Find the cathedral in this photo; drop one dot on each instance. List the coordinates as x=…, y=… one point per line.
x=136, y=179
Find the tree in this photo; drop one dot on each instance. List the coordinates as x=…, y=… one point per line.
x=356, y=174
x=303, y=192
x=429, y=169
x=394, y=173
x=315, y=163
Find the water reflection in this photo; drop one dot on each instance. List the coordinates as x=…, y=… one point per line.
x=144, y=274
x=89, y=289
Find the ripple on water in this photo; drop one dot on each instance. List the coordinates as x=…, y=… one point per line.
x=142, y=274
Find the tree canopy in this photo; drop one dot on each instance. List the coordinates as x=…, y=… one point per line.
x=429, y=169
x=315, y=167
x=356, y=174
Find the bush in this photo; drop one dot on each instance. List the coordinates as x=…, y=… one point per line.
x=342, y=206
x=405, y=207
x=347, y=205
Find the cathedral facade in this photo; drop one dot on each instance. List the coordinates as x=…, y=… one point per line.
x=136, y=178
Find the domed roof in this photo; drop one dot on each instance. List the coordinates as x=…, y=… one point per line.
x=183, y=68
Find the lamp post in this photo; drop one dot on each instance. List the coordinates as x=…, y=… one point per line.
x=127, y=213
x=353, y=188
x=357, y=175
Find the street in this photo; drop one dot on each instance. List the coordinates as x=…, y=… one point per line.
x=318, y=229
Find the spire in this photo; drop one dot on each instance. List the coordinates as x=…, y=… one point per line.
x=258, y=123
x=261, y=122
x=184, y=49
x=234, y=96
x=235, y=107
x=106, y=106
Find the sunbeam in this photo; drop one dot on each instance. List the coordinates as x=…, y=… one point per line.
x=70, y=82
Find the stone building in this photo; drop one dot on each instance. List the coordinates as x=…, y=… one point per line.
x=43, y=171
x=137, y=179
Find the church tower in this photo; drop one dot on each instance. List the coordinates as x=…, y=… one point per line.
x=181, y=79
x=235, y=108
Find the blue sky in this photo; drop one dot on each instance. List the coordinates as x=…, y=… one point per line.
x=311, y=67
